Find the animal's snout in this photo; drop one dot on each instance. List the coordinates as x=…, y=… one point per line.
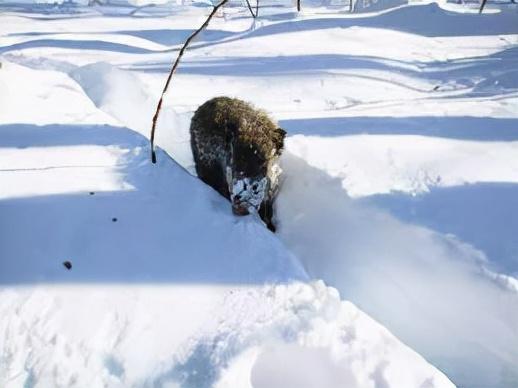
x=240, y=210
x=239, y=207
x=247, y=195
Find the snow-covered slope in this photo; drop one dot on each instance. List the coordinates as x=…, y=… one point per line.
x=166, y=287
x=199, y=336
x=400, y=192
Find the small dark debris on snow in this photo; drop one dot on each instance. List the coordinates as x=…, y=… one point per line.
x=436, y=88
x=114, y=219
x=92, y=193
x=67, y=264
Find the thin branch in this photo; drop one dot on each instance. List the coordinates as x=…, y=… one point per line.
x=482, y=6
x=251, y=10
x=173, y=70
x=298, y=5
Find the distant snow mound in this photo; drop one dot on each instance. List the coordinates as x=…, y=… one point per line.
x=115, y=91
x=122, y=95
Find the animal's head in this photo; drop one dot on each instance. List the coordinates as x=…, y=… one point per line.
x=250, y=168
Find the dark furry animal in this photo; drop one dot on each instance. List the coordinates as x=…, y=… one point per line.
x=236, y=148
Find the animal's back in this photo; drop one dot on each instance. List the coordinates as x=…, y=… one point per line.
x=220, y=116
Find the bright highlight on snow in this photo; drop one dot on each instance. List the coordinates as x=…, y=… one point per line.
x=395, y=262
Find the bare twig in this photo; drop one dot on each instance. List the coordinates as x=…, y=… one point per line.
x=298, y=5
x=173, y=70
x=254, y=15
x=482, y=6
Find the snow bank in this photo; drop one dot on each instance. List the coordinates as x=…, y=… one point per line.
x=45, y=92
x=165, y=287
x=381, y=164
x=160, y=213
x=268, y=336
x=123, y=95
x=430, y=289
x=152, y=251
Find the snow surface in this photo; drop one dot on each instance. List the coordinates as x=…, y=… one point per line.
x=167, y=287
x=399, y=191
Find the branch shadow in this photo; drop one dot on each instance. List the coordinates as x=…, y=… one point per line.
x=166, y=37
x=461, y=127
x=485, y=76
x=77, y=45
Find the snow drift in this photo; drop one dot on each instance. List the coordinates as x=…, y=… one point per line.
x=166, y=287
x=371, y=98
x=430, y=289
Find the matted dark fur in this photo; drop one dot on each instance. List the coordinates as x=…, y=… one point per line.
x=235, y=149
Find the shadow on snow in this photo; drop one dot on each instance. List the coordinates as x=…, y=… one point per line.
x=170, y=228
x=461, y=127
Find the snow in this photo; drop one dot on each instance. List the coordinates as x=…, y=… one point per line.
x=199, y=336
x=413, y=279
x=152, y=208
x=166, y=285
x=407, y=163
x=399, y=192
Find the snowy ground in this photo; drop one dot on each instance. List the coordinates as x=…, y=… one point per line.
x=400, y=192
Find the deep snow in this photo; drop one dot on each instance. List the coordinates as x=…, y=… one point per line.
x=166, y=286
x=400, y=191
